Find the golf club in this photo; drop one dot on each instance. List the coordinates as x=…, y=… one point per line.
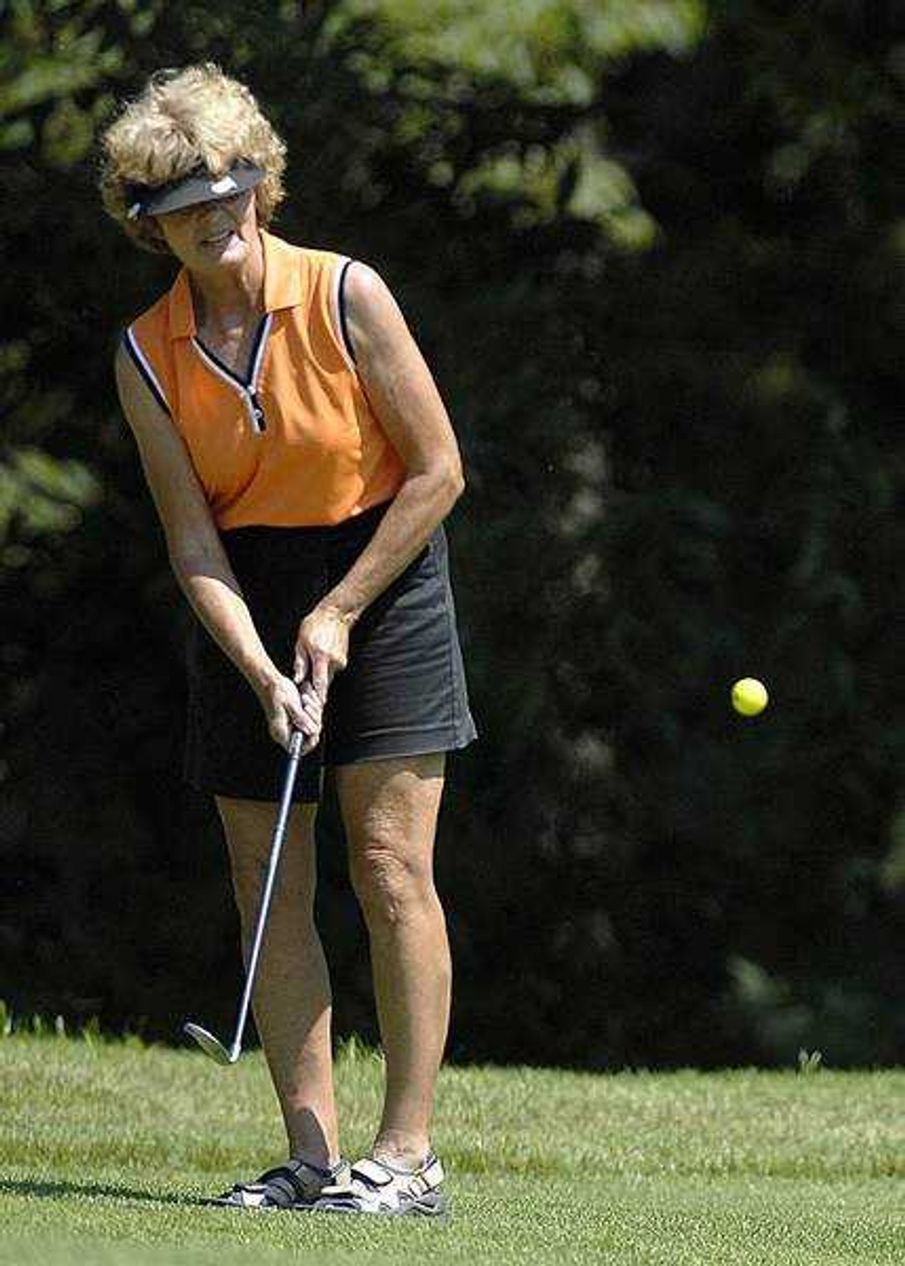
x=208, y=1043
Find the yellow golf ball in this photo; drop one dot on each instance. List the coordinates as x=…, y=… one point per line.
x=749, y=696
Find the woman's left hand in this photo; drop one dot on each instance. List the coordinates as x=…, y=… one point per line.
x=321, y=648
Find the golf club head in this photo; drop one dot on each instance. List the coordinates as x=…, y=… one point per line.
x=210, y=1045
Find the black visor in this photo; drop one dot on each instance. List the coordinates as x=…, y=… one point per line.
x=198, y=186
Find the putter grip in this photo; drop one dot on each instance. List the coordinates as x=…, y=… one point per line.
x=295, y=744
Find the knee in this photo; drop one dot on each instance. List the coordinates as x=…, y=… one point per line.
x=248, y=869
x=249, y=841
x=390, y=885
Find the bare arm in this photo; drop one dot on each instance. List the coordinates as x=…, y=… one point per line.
x=198, y=559
x=407, y=404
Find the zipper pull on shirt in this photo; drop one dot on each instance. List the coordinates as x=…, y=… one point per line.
x=257, y=410
x=247, y=387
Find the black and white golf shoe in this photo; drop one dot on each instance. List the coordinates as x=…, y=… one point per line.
x=295, y=1185
x=374, y=1187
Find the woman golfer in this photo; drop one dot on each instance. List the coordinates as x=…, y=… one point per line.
x=302, y=462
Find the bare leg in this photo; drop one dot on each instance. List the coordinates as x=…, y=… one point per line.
x=292, y=1002
x=390, y=808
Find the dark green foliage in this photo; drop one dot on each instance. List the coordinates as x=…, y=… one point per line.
x=685, y=465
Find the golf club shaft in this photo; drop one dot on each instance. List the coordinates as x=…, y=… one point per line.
x=295, y=751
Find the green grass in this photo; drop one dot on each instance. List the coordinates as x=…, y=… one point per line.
x=105, y=1147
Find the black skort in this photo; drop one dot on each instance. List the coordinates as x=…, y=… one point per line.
x=402, y=692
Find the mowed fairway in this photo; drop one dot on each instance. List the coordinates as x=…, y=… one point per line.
x=107, y=1148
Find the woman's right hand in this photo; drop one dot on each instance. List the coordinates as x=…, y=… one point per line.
x=289, y=707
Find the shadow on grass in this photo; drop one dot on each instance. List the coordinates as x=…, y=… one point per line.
x=61, y=1190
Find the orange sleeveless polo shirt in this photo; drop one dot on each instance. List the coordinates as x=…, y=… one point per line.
x=293, y=444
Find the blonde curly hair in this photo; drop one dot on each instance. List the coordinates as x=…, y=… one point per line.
x=183, y=119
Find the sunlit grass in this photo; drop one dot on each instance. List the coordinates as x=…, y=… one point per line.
x=107, y=1147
